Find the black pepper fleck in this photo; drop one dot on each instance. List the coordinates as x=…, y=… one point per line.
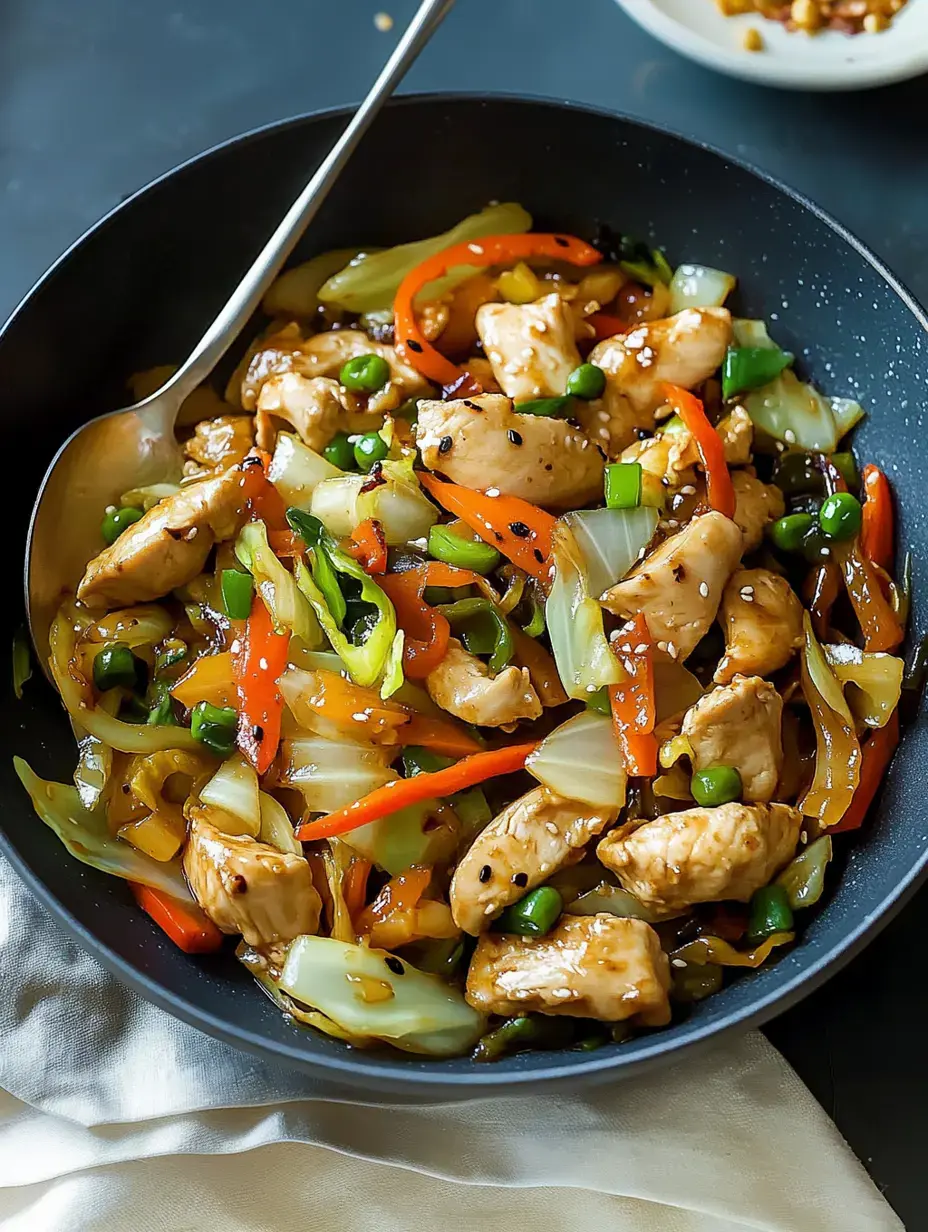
x=445, y=444
x=561, y=242
x=520, y=530
x=252, y=462
x=539, y=555
x=549, y=466
x=414, y=346
x=485, y=874
x=395, y=965
x=498, y=536
x=520, y=879
x=602, y=452
x=515, y=437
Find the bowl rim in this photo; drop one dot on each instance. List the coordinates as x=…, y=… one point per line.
x=394, y=1074
x=776, y=71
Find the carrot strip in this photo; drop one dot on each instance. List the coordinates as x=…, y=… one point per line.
x=259, y=657
x=427, y=631
x=633, y=701
x=399, y=794
x=877, y=532
x=876, y=755
x=189, y=928
x=368, y=546
x=354, y=885
x=709, y=444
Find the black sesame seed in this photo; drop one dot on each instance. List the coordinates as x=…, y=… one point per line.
x=414, y=346
x=549, y=466
x=520, y=530
x=642, y=434
x=252, y=462
x=515, y=437
x=602, y=452
x=258, y=733
x=445, y=444
x=520, y=879
x=395, y=965
x=473, y=406
x=498, y=536
x=539, y=556
x=561, y=242
x=485, y=874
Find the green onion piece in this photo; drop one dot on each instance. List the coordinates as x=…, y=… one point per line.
x=662, y=266
x=552, y=407
x=310, y=529
x=115, y=521
x=599, y=701
x=623, y=485
x=169, y=656
x=695, y=982
x=716, y=785
x=649, y=266
x=132, y=710
x=453, y=549
x=532, y=916
x=747, y=368
x=770, y=913
x=536, y=624
x=526, y=1031
x=417, y=760
x=237, y=593
x=215, y=727
x=483, y=630
x=115, y=668
x=22, y=662
x=846, y=464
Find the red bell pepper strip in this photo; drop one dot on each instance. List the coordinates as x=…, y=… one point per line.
x=518, y=529
x=607, y=326
x=876, y=755
x=633, y=703
x=368, y=546
x=259, y=657
x=412, y=344
x=427, y=631
x=709, y=443
x=185, y=923
x=402, y=792
x=878, y=622
x=877, y=532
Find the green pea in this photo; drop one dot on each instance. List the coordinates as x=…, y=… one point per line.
x=769, y=913
x=587, y=382
x=840, y=515
x=370, y=448
x=532, y=916
x=215, y=727
x=115, y=522
x=115, y=668
x=716, y=785
x=365, y=374
x=340, y=452
x=453, y=549
x=788, y=533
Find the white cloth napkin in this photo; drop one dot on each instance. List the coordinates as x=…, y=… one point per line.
x=116, y=1118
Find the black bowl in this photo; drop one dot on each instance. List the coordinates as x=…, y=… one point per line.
x=137, y=291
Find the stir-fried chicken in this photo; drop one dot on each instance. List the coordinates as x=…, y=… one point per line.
x=531, y=347
x=762, y=620
x=702, y=855
x=529, y=841
x=218, y=444
x=594, y=966
x=316, y=407
x=756, y=504
x=462, y=685
x=738, y=725
x=541, y=459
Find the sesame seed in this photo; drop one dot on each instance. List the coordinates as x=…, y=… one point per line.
x=688, y=490
x=641, y=648
x=485, y=874
x=615, y=635
x=790, y=436
x=604, y=416
x=704, y=589
x=361, y=717
x=562, y=994
x=490, y=909
x=672, y=650
x=492, y=492
x=528, y=352
x=662, y=646
x=677, y=962
x=551, y=827
x=445, y=444
x=514, y=436
x=383, y=22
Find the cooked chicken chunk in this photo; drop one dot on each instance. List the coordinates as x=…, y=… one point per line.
x=669, y=457
x=702, y=855
x=317, y=407
x=249, y=887
x=593, y=966
x=738, y=725
x=756, y=504
x=684, y=350
x=737, y=433
x=167, y=547
x=324, y=355
x=219, y=443
x=462, y=685
x=678, y=587
x=530, y=347
x=530, y=839
x=762, y=620
x=482, y=441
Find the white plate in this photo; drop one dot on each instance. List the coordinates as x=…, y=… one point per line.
x=826, y=61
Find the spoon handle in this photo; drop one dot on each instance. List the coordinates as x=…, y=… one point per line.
x=269, y=261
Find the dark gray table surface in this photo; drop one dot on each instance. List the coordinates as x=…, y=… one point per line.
x=99, y=96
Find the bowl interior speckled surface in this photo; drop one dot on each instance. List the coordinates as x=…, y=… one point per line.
x=139, y=288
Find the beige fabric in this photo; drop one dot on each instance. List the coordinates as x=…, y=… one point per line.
x=117, y=1118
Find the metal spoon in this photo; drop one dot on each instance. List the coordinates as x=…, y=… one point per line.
x=136, y=446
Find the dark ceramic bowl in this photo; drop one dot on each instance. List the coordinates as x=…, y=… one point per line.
x=138, y=289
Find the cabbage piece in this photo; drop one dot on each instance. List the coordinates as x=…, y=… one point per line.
x=289, y=608
x=370, y=281
x=699, y=286
x=354, y=987
x=611, y=541
x=422, y=834
x=257, y=964
x=233, y=791
x=803, y=879
x=399, y=504
x=329, y=773
x=613, y=900
x=838, y=757
x=675, y=688
x=875, y=680
x=87, y=837
x=581, y=760
x=295, y=292
x=716, y=950
x=143, y=625
x=393, y=677
x=296, y=470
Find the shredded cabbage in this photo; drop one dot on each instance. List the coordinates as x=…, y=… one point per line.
x=699, y=286
x=276, y=827
x=612, y=900
x=581, y=760
x=422, y=834
x=147, y=497
x=144, y=625
x=233, y=791
x=370, y=281
x=412, y=1011
x=296, y=470
x=288, y=606
x=875, y=680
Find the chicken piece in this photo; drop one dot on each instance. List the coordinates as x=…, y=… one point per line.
x=702, y=855
x=531, y=347
x=218, y=444
x=762, y=620
x=684, y=349
x=249, y=887
x=679, y=586
x=737, y=433
x=481, y=441
x=462, y=685
x=323, y=356
x=756, y=504
x=670, y=457
x=481, y=370
x=530, y=839
x=317, y=407
x=588, y=966
x=168, y=546
x=739, y=724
